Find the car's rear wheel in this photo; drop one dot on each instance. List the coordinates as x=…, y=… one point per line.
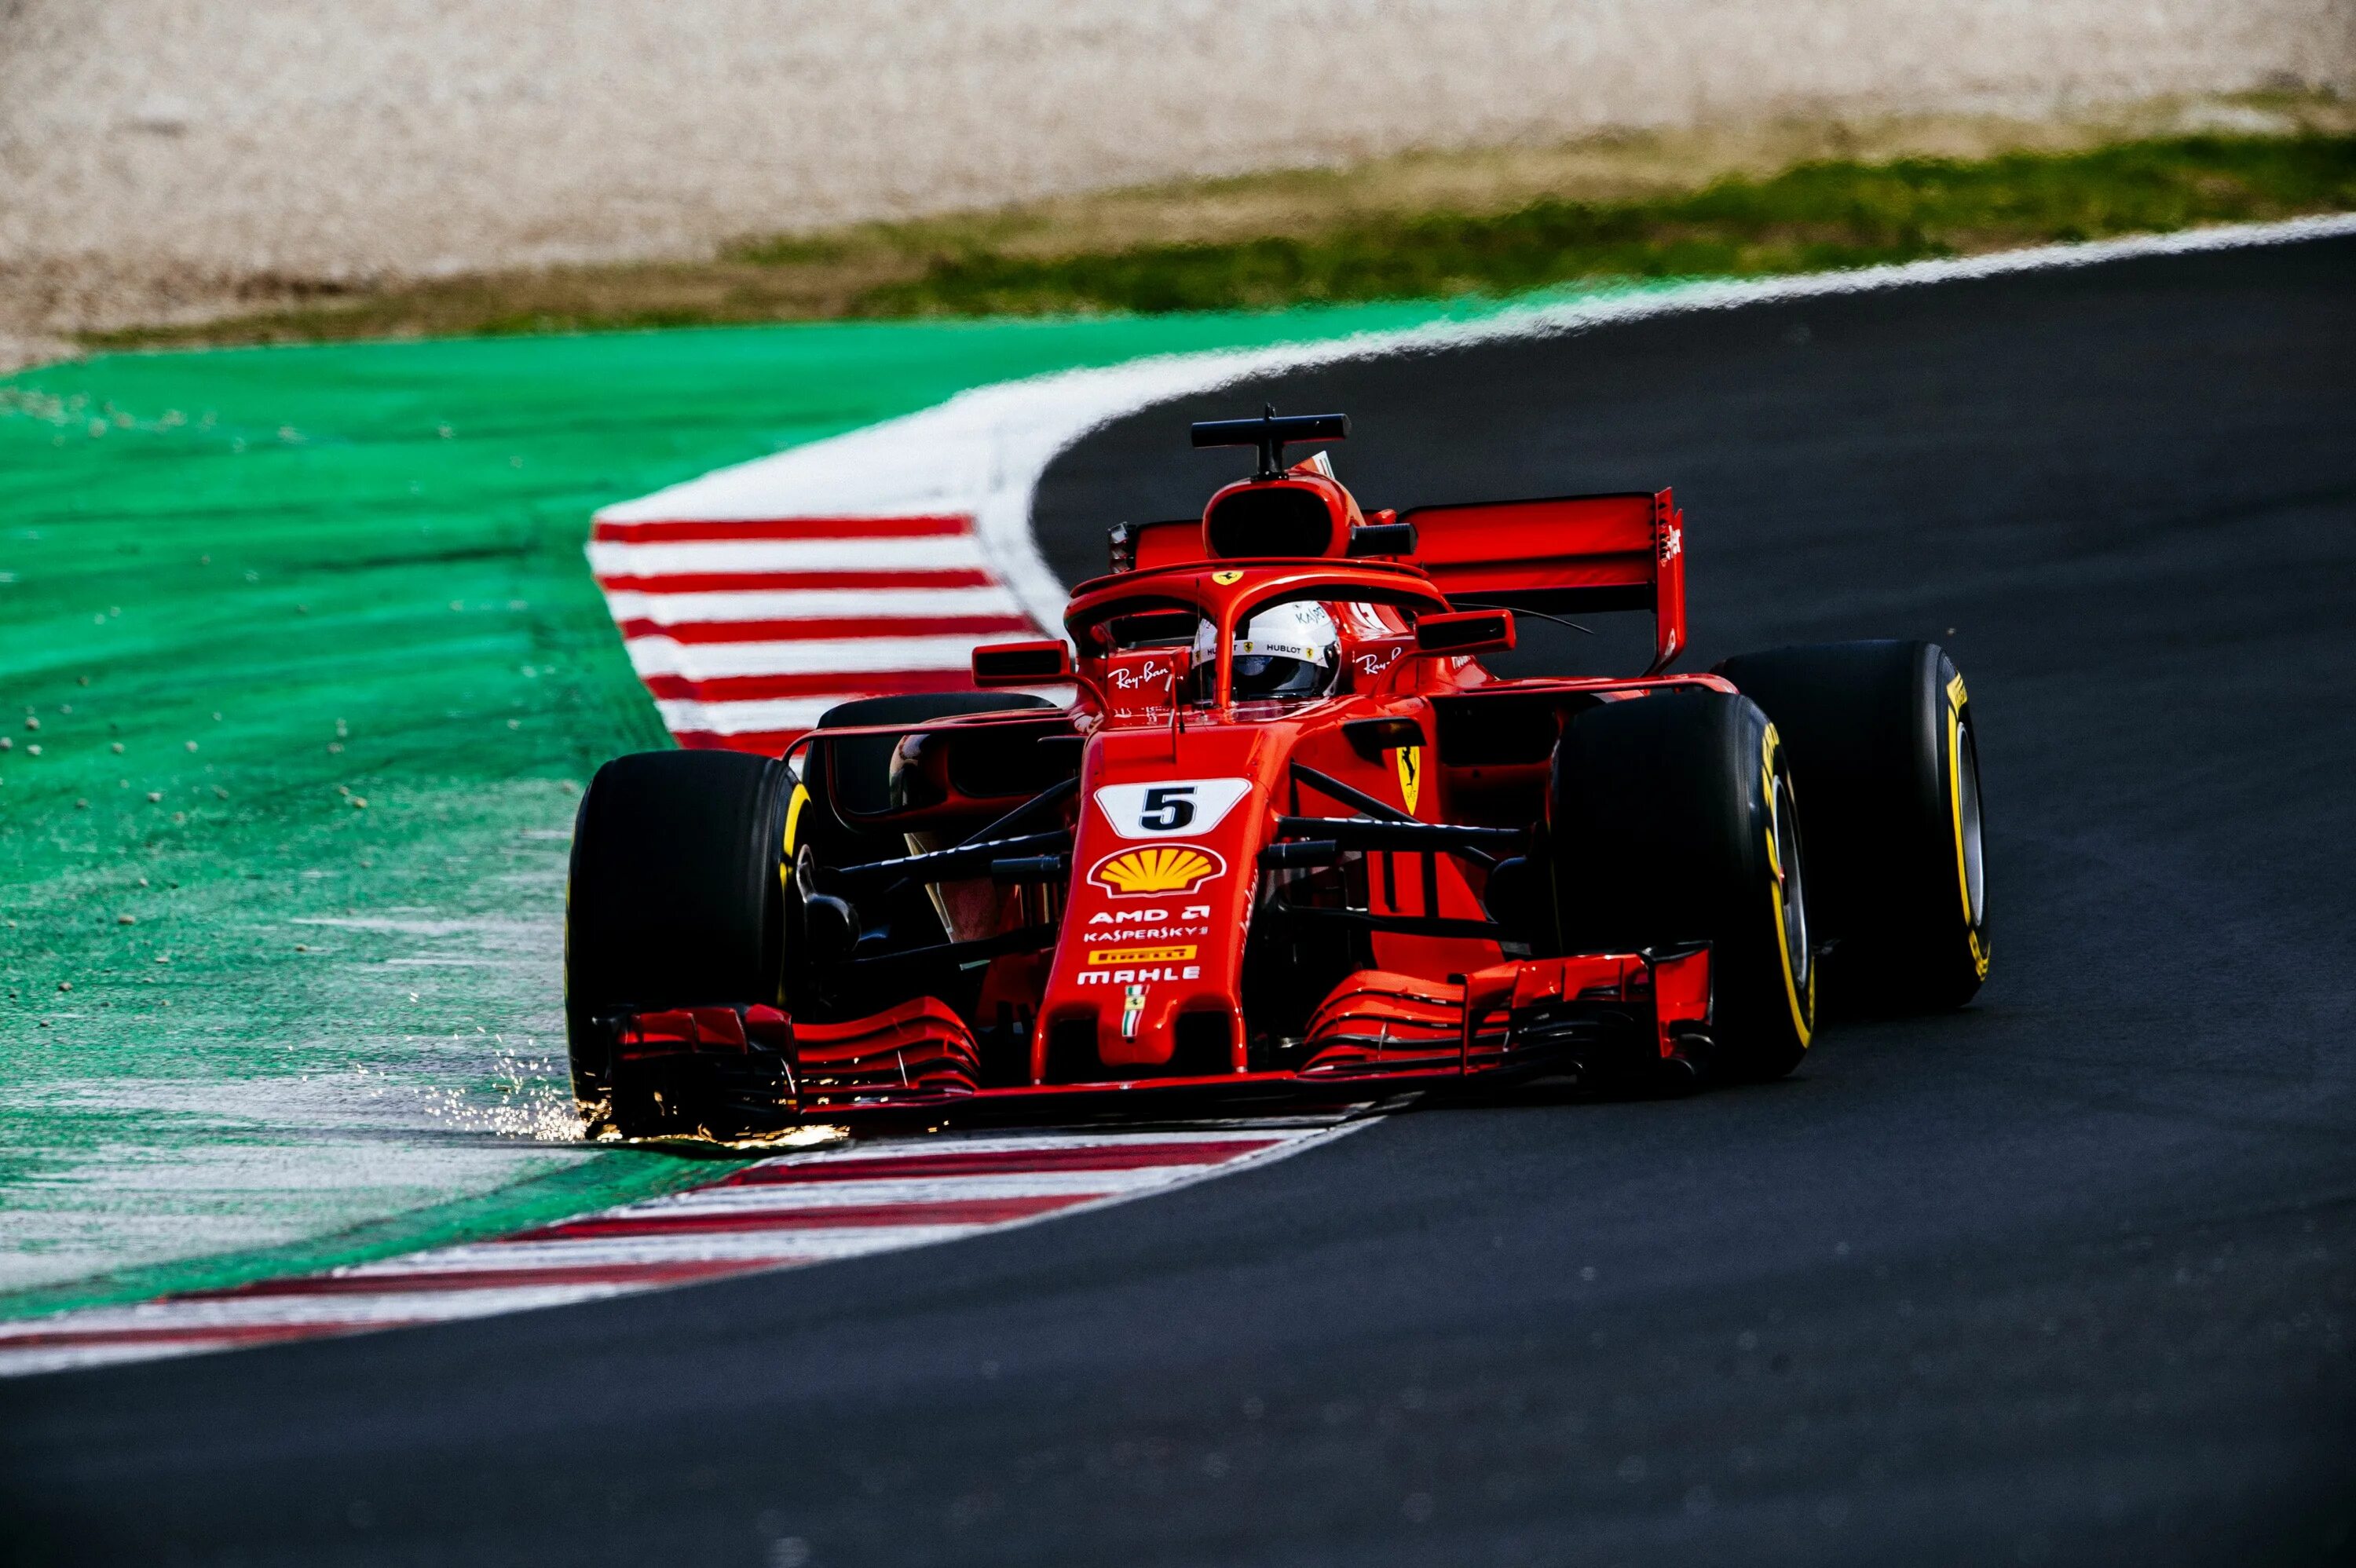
x=842, y=780
x=862, y=766
x=1881, y=737
x=1672, y=819
x=847, y=778
x=675, y=900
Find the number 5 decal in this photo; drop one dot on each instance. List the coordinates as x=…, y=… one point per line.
x=1178, y=806
x=1168, y=808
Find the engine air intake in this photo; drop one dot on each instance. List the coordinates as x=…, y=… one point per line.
x=1276, y=520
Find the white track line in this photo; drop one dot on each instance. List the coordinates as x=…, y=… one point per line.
x=887, y=1190
x=927, y=553
x=809, y=604
x=808, y=655
x=788, y=715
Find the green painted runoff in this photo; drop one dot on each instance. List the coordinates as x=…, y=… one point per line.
x=251, y=1023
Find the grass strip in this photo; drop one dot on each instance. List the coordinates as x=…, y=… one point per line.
x=1814, y=218
x=1395, y=232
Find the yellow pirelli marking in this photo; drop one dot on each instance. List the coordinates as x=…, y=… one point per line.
x=1141, y=955
x=1956, y=806
x=794, y=818
x=793, y=822
x=1804, y=1009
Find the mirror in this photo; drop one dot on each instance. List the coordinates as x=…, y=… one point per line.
x=1464, y=632
x=1022, y=664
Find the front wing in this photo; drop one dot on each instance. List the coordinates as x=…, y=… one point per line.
x=1596, y=1016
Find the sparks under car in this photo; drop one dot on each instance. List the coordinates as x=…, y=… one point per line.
x=1290, y=841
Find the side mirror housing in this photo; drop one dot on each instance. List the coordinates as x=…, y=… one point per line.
x=1045, y=661
x=1464, y=632
x=1385, y=536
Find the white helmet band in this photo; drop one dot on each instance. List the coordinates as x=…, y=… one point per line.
x=1298, y=629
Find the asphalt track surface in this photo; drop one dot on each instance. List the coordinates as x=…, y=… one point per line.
x=2069, y=1276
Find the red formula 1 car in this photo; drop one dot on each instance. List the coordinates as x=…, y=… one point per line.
x=1291, y=841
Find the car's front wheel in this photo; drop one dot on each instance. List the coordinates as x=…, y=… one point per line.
x=1672, y=819
x=675, y=899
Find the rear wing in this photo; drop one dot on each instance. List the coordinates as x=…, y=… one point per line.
x=1563, y=555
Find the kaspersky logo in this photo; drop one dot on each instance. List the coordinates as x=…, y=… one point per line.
x=1157, y=868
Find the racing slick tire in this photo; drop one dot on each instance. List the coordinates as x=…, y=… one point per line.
x=818, y=838
x=675, y=899
x=866, y=763
x=861, y=771
x=1672, y=819
x=1881, y=741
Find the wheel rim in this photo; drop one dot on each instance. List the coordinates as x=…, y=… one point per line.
x=1967, y=824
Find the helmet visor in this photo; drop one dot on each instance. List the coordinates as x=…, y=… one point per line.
x=1273, y=675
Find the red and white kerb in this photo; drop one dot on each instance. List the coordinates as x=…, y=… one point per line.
x=746, y=631
x=839, y=1202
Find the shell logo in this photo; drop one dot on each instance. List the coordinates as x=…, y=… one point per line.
x=1157, y=868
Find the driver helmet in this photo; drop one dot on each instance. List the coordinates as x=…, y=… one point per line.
x=1288, y=651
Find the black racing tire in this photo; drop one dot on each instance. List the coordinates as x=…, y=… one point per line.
x=859, y=774
x=1672, y=818
x=1882, y=740
x=863, y=768
x=676, y=899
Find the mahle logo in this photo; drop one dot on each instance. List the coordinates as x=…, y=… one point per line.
x=1174, y=869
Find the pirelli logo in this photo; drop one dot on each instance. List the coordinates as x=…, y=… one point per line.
x=1141, y=955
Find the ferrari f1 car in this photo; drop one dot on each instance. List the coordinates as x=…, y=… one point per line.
x=1290, y=841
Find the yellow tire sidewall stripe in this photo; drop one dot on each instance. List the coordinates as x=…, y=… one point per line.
x=793, y=825
x=1956, y=701
x=1800, y=1017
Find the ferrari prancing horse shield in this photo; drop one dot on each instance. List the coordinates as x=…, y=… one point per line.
x=1411, y=776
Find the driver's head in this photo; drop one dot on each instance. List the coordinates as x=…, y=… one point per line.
x=1289, y=652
